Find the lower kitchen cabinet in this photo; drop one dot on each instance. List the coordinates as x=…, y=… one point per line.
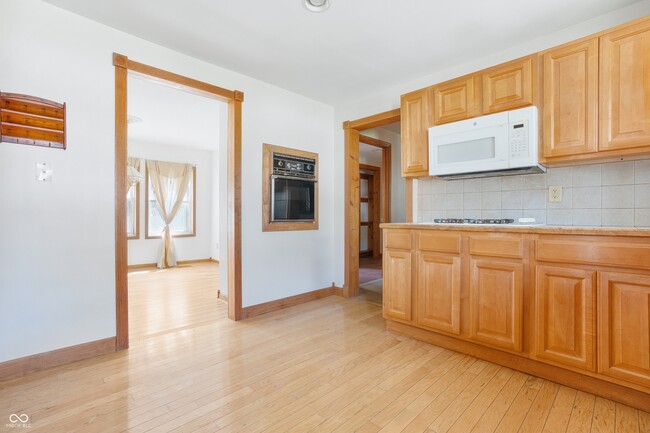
x=397, y=284
x=624, y=326
x=565, y=319
x=438, y=290
x=496, y=303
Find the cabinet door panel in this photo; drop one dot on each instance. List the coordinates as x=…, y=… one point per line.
x=565, y=316
x=624, y=326
x=455, y=100
x=496, y=290
x=397, y=284
x=509, y=86
x=439, y=292
x=571, y=100
x=625, y=88
x=415, y=133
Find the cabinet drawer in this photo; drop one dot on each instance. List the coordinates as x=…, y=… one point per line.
x=594, y=253
x=442, y=243
x=400, y=239
x=511, y=247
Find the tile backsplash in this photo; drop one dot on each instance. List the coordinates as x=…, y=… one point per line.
x=610, y=195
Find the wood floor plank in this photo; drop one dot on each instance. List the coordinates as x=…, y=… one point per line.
x=540, y=409
x=560, y=413
x=489, y=421
x=324, y=366
x=519, y=409
x=582, y=413
x=627, y=419
x=604, y=419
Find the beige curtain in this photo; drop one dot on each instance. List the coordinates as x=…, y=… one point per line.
x=169, y=181
x=131, y=180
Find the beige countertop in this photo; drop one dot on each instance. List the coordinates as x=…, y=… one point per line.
x=514, y=228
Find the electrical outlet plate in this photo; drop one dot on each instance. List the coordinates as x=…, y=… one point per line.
x=554, y=194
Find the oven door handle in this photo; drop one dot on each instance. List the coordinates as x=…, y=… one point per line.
x=279, y=176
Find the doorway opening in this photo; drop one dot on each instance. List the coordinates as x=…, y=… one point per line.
x=124, y=67
x=177, y=143
x=374, y=194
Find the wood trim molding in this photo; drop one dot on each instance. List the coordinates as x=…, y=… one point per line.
x=374, y=121
x=180, y=262
x=267, y=170
x=386, y=156
x=352, y=208
x=352, y=201
x=279, y=304
x=42, y=361
x=123, y=67
x=629, y=396
x=373, y=141
x=121, y=251
x=195, y=86
x=234, y=206
x=222, y=296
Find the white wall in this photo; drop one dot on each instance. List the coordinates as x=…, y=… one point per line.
x=388, y=99
x=187, y=248
x=57, y=284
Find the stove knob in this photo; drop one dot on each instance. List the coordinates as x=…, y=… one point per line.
x=308, y=166
x=280, y=163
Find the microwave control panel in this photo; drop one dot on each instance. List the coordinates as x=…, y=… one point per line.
x=519, y=139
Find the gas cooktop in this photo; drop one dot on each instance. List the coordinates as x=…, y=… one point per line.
x=473, y=221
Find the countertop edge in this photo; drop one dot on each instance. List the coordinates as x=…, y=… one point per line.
x=565, y=230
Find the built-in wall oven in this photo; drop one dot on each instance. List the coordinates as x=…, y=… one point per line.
x=293, y=188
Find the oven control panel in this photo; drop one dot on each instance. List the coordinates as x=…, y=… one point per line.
x=293, y=166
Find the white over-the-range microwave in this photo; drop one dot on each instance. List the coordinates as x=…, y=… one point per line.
x=493, y=145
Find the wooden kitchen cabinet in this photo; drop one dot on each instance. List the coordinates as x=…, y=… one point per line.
x=397, y=284
x=496, y=303
x=456, y=99
x=624, y=326
x=415, y=123
x=510, y=85
x=565, y=316
x=625, y=87
x=438, y=289
x=570, y=108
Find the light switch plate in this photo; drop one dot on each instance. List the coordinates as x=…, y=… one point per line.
x=554, y=194
x=43, y=172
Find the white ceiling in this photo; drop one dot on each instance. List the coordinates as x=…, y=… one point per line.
x=171, y=116
x=355, y=48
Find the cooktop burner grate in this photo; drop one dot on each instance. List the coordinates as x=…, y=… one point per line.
x=473, y=221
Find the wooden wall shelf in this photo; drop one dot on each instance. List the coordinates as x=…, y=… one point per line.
x=33, y=121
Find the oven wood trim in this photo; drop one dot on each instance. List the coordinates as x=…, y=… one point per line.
x=267, y=171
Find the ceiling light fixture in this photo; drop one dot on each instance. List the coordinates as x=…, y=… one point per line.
x=316, y=5
x=133, y=119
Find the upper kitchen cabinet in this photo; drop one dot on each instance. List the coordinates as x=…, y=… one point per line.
x=625, y=87
x=570, y=108
x=415, y=122
x=509, y=86
x=456, y=100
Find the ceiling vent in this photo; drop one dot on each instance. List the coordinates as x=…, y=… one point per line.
x=316, y=5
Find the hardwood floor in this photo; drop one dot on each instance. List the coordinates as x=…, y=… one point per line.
x=323, y=366
x=164, y=300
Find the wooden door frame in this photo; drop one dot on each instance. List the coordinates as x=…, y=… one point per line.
x=352, y=204
x=378, y=205
x=234, y=98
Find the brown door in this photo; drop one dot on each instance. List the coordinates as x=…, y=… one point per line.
x=369, y=212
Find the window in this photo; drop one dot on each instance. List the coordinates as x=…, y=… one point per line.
x=184, y=224
x=133, y=212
